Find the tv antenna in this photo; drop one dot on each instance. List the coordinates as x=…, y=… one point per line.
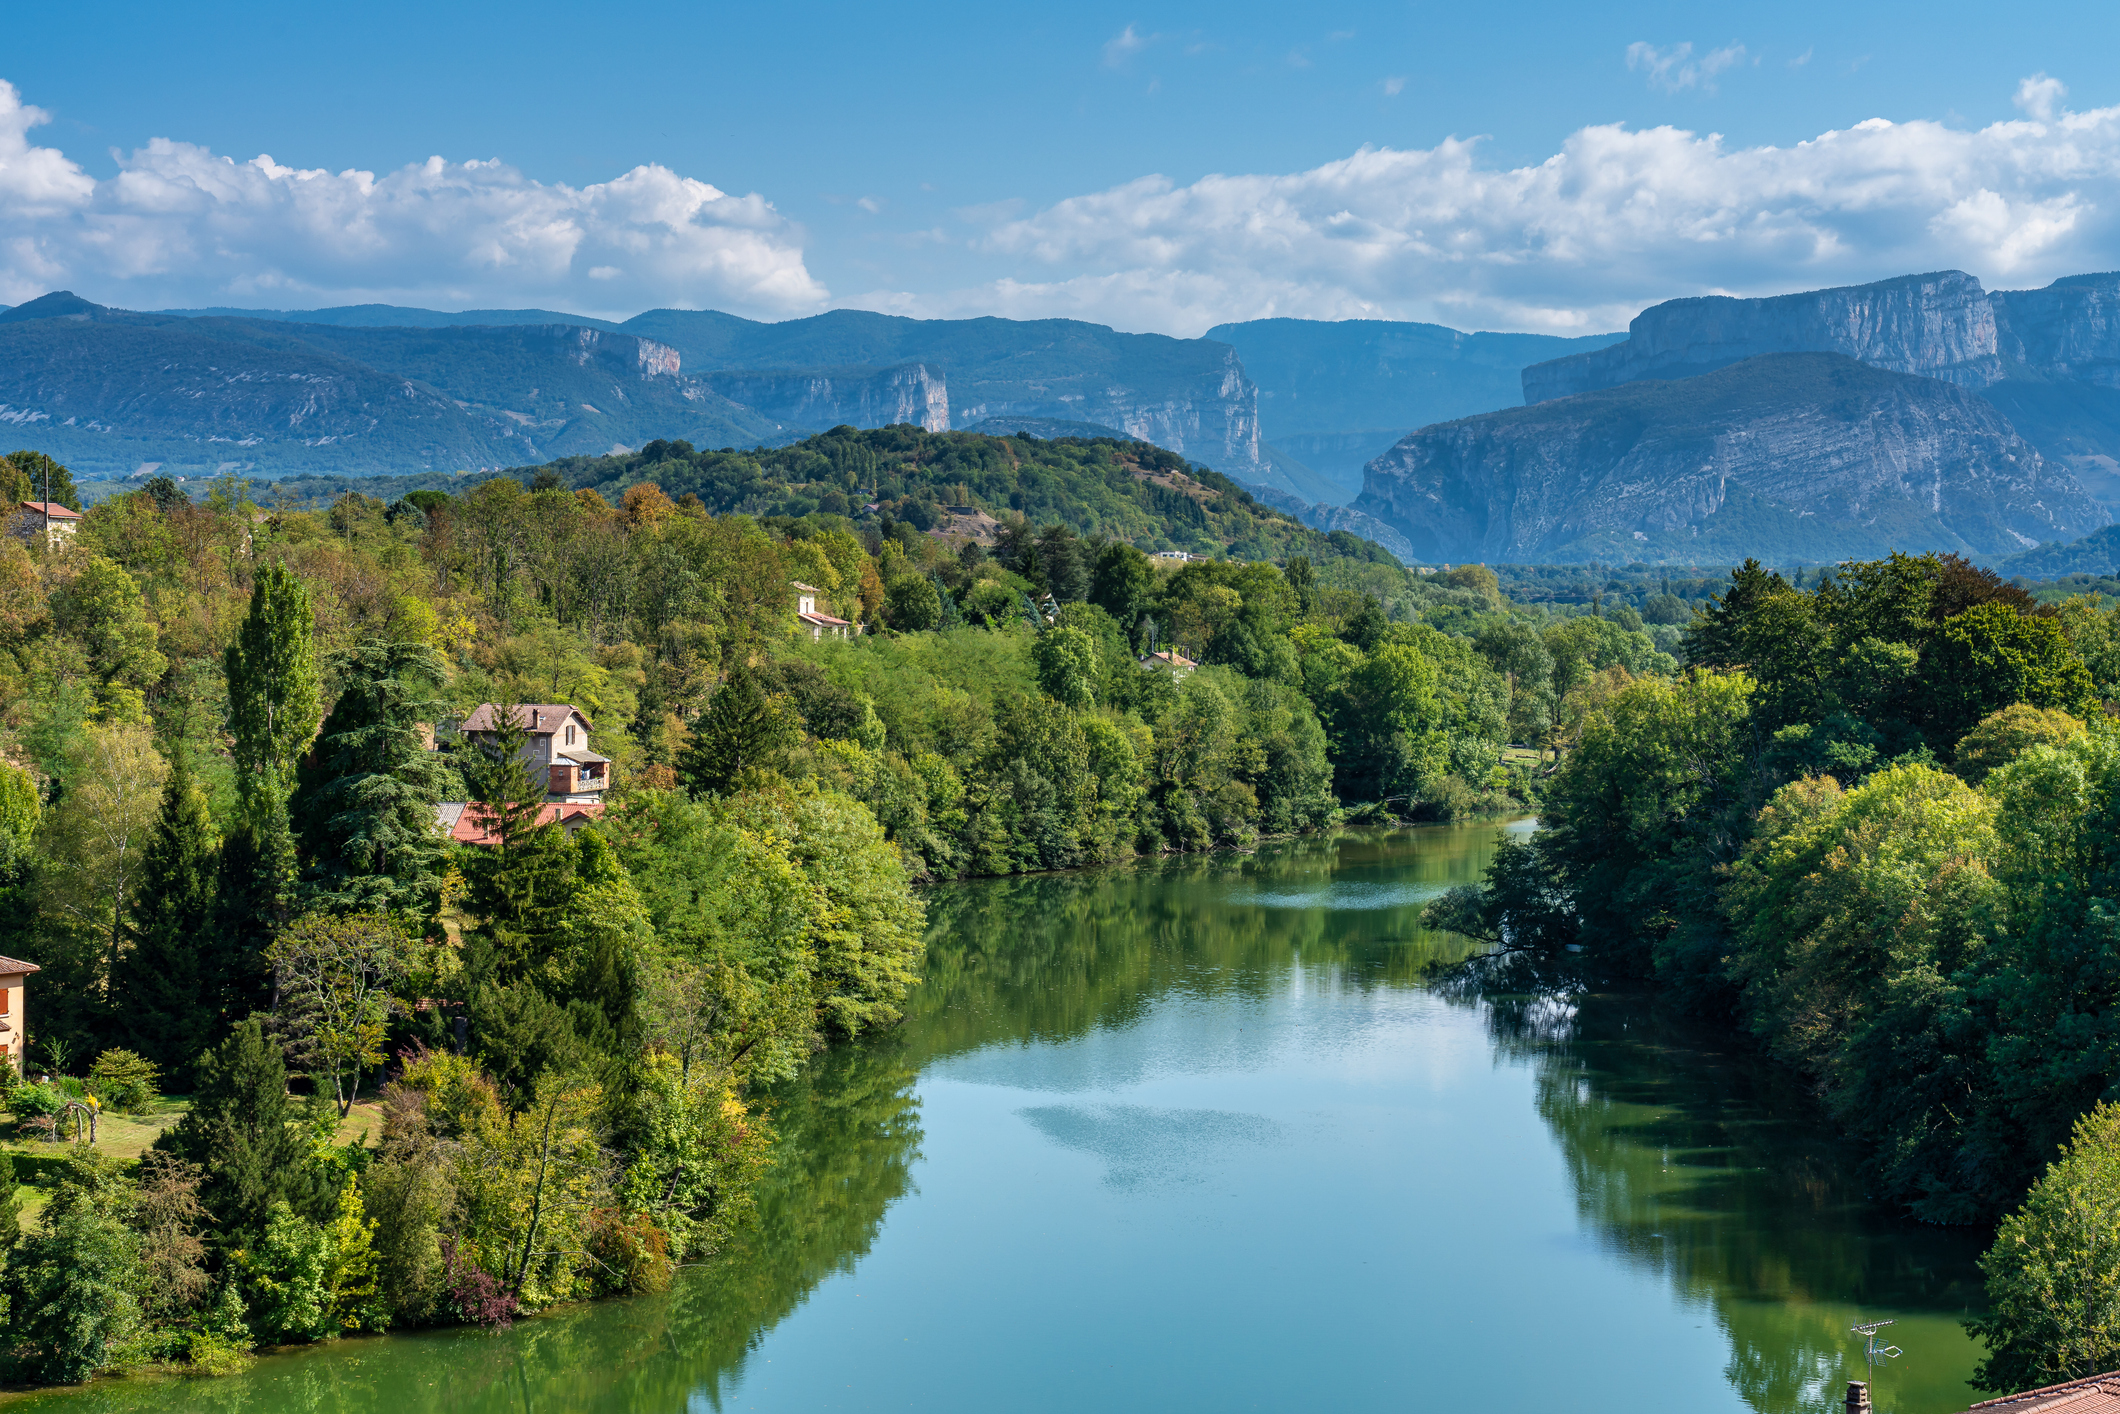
x=1873, y=1352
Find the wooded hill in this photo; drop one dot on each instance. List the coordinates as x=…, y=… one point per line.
x=1130, y=491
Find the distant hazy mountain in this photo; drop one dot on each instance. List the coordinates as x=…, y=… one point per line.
x=397, y=316
x=1189, y=396
x=1785, y=456
x=110, y=391
x=1334, y=394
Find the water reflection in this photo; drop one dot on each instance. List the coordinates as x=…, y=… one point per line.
x=1148, y=1045
x=1691, y=1159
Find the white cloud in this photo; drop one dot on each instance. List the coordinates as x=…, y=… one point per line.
x=180, y=226
x=1394, y=86
x=2040, y=96
x=1615, y=221
x=1675, y=69
x=1124, y=45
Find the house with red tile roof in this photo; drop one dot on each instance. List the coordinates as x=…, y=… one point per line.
x=2097, y=1394
x=816, y=622
x=47, y=518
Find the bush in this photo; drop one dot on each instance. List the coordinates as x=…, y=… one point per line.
x=628, y=1256
x=27, y=1101
x=123, y=1081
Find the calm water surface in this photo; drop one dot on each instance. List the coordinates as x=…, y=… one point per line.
x=1199, y=1135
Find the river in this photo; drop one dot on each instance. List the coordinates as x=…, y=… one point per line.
x=1201, y=1134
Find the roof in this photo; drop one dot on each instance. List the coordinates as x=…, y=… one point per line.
x=2099, y=1394
x=584, y=756
x=1174, y=659
x=52, y=509
x=554, y=713
x=806, y=588
x=9, y=965
x=470, y=825
x=826, y=619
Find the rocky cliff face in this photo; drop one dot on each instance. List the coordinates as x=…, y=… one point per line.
x=1939, y=326
x=1188, y=395
x=2069, y=330
x=820, y=398
x=1789, y=456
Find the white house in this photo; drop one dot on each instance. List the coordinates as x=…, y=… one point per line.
x=818, y=624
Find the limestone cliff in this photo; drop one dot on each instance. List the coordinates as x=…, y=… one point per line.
x=1940, y=325
x=1786, y=456
x=827, y=397
x=2069, y=330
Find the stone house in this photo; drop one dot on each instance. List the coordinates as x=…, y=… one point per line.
x=818, y=624
x=558, y=749
x=53, y=521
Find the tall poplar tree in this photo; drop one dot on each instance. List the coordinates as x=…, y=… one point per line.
x=273, y=700
x=364, y=801
x=166, y=990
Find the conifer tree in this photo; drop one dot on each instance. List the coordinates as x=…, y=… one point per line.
x=242, y=1130
x=273, y=704
x=365, y=797
x=521, y=886
x=744, y=726
x=164, y=988
x=254, y=900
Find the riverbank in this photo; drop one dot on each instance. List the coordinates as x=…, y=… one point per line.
x=1197, y=1131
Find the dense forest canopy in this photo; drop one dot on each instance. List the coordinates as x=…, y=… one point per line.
x=1875, y=821
x=228, y=724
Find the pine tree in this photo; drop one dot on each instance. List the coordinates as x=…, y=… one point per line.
x=364, y=800
x=519, y=888
x=744, y=726
x=243, y=1130
x=163, y=987
x=255, y=899
x=273, y=703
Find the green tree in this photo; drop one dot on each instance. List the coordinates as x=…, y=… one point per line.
x=1991, y=656
x=166, y=987
x=72, y=1285
x=274, y=702
x=242, y=1130
x=913, y=604
x=2053, y=1275
x=335, y=975
x=364, y=805
x=103, y=610
x=1068, y=669
x=2001, y=737
x=744, y=727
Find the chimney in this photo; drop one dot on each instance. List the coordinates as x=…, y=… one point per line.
x=537, y=719
x=1858, y=1397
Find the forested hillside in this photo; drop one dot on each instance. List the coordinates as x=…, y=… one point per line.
x=225, y=730
x=1876, y=824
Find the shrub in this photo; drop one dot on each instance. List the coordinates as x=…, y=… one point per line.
x=628, y=1256
x=123, y=1081
x=28, y=1102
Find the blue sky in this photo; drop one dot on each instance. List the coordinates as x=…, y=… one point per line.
x=962, y=159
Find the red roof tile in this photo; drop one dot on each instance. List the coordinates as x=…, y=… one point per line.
x=471, y=826
x=2099, y=1394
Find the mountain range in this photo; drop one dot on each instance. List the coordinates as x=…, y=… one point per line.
x=1923, y=412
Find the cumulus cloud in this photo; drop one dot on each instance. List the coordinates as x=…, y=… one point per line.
x=2040, y=96
x=1675, y=70
x=181, y=226
x=1617, y=220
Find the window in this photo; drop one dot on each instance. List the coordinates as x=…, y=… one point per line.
x=570, y=736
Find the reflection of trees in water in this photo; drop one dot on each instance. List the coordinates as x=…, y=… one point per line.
x=849, y=1135
x=1685, y=1160
x=1047, y=957
x=1029, y=958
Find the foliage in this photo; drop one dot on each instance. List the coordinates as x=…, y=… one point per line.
x=2053, y=1275
x=125, y=1082
x=242, y=1131
x=335, y=974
